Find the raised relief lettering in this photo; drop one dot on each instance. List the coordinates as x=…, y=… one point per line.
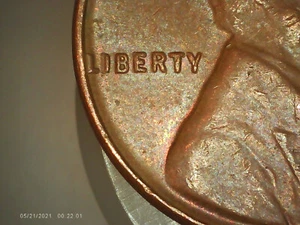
x=121, y=63
x=158, y=62
x=177, y=59
x=139, y=62
x=194, y=61
x=90, y=65
x=105, y=63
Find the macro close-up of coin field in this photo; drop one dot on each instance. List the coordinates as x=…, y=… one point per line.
x=197, y=103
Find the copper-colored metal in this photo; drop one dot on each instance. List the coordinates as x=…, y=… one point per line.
x=197, y=103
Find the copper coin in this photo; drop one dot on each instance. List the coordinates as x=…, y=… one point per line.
x=197, y=103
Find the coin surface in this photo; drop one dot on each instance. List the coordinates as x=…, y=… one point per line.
x=197, y=103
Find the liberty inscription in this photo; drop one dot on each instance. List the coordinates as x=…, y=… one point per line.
x=136, y=62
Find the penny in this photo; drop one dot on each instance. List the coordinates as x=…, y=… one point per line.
x=197, y=103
